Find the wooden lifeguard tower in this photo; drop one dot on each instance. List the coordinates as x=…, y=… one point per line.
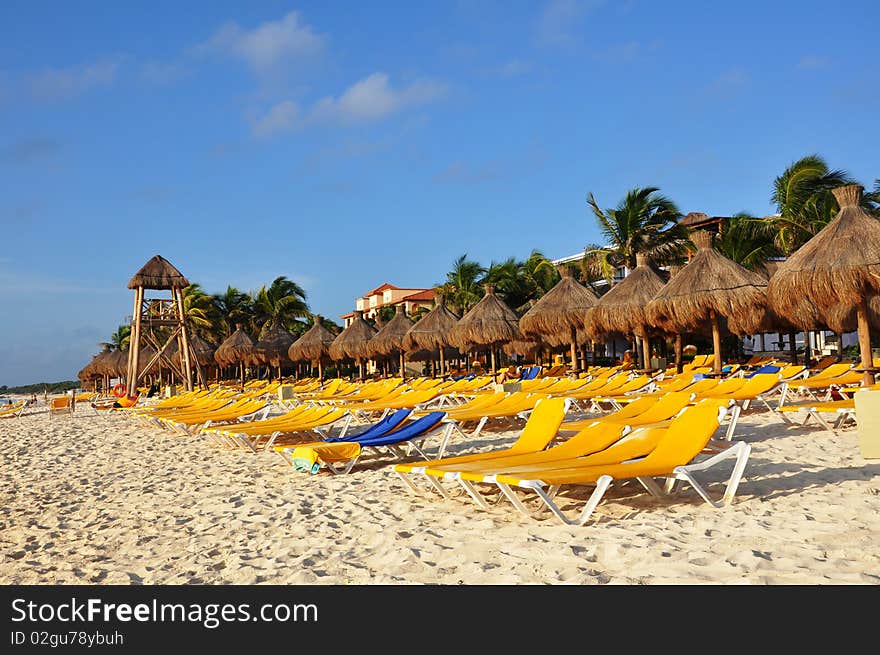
x=158, y=274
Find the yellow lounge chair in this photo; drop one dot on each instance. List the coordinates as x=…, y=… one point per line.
x=648, y=410
x=673, y=456
x=539, y=430
x=515, y=405
x=252, y=436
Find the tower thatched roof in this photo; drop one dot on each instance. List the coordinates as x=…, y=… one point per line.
x=390, y=338
x=710, y=281
x=489, y=322
x=158, y=273
x=835, y=269
x=622, y=308
x=238, y=347
x=314, y=344
x=560, y=310
x=352, y=341
x=432, y=330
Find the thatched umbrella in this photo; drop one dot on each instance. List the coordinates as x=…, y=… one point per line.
x=489, y=323
x=560, y=312
x=525, y=347
x=313, y=346
x=271, y=349
x=622, y=309
x=204, y=350
x=117, y=363
x=710, y=287
x=431, y=332
x=837, y=268
x=352, y=341
x=389, y=339
x=238, y=348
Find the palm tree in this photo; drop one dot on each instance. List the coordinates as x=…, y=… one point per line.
x=233, y=307
x=540, y=273
x=748, y=241
x=280, y=304
x=507, y=276
x=120, y=339
x=643, y=222
x=872, y=200
x=804, y=202
x=462, y=286
x=200, y=310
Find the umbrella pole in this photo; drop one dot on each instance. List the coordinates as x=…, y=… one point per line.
x=679, y=364
x=646, y=345
x=574, y=362
x=442, y=367
x=839, y=345
x=716, y=341
x=792, y=340
x=865, y=342
x=402, y=371
x=492, y=356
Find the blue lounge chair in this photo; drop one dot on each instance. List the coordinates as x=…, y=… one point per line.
x=383, y=427
x=341, y=455
x=767, y=368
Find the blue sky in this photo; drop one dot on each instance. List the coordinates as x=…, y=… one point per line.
x=348, y=144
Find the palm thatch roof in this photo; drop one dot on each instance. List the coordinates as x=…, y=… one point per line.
x=101, y=362
x=838, y=267
x=389, y=339
x=525, y=347
x=489, y=322
x=427, y=354
x=145, y=354
x=560, y=310
x=272, y=347
x=352, y=341
x=432, y=330
x=313, y=345
x=622, y=308
x=117, y=363
x=709, y=282
x=158, y=273
x=237, y=348
x=204, y=350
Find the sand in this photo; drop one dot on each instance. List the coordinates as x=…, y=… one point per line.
x=92, y=499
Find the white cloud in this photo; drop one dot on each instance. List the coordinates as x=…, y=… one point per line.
x=812, y=62
x=729, y=84
x=370, y=99
x=373, y=98
x=160, y=73
x=558, y=24
x=268, y=45
x=515, y=68
x=280, y=118
x=57, y=83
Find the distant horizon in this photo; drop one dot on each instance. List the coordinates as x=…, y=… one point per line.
x=348, y=146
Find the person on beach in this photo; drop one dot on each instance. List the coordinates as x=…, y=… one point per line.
x=508, y=374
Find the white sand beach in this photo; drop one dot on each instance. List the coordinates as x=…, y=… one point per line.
x=99, y=499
